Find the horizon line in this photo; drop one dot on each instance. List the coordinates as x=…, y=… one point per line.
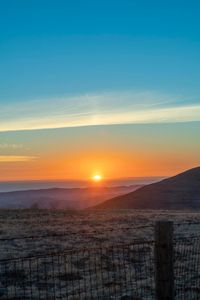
x=83, y=180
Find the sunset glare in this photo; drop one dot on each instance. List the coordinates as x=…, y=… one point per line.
x=97, y=178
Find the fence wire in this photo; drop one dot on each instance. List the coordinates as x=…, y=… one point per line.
x=187, y=268
x=118, y=272
x=121, y=272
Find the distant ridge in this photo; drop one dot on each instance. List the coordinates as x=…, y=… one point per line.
x=180, y=192
x=61, y=198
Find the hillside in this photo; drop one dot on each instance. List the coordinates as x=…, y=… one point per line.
x=61, y=198
x=178, y=192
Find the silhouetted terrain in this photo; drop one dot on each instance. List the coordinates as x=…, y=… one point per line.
x=178, y=192
x=59, y=198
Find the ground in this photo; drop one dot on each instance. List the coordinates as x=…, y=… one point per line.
x=83, y=228
x=100, y=254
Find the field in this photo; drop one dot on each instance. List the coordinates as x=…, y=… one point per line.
x=82, y=227
x=95, y=254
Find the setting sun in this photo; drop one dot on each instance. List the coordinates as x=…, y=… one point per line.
x=97, y=178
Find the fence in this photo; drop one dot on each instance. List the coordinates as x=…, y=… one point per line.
x=164, y=268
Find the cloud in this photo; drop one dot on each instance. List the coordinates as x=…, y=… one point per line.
x=10, y=146
x=16, y=158
x=127, y=107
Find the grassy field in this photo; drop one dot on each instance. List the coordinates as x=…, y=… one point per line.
x=98, y=253
x=83, y=228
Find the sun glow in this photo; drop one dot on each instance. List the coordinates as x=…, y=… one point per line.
x=97, y=178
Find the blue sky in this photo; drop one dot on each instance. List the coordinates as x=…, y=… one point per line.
x=53, y=48
x=86, y=63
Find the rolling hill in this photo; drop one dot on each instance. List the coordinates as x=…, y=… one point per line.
x=178, y=192
x=61, y=198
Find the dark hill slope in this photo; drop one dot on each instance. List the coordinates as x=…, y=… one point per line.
x=178, y=192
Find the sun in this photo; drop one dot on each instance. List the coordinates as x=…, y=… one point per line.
x=97, y=178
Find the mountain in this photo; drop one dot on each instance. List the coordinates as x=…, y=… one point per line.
x=61, y=198
x=178, y=192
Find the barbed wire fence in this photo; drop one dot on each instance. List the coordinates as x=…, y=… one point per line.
x=98, y=273
x=118, y=271
x=187, y=259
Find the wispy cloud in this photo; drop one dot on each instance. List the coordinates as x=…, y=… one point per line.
x=10, y=146
x=127, y=107
x=16, y=158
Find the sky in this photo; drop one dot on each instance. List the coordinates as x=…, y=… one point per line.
x=109, y=87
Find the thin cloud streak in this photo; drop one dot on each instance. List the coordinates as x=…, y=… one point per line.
x=98, y=109
x=16, y=158
x=11, y=146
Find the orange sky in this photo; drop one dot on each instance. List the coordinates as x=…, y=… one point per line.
x=112, y=151
x=110, y=165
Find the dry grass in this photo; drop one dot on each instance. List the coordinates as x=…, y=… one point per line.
x=123, y=274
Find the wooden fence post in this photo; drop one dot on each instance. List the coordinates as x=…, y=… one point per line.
x=164, y=269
